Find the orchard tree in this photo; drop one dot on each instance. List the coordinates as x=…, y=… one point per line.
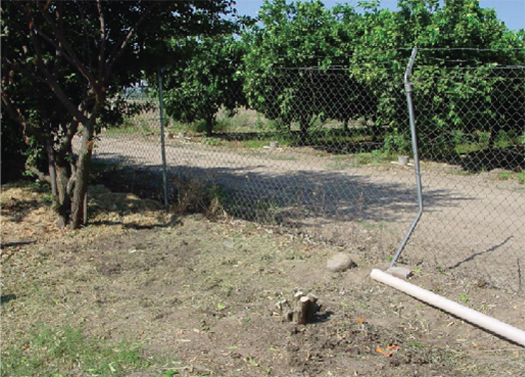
x=284, y=54
x=463, y=85
x=207, y=80
x=459, y=87
x=62, y=60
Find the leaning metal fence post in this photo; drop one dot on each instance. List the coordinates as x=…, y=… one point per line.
x=408, y=90
x=162, y=142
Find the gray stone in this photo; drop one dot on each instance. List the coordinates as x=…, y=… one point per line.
x=402, y=160
x=400, y=272
x=340, y=262
x=229, y=244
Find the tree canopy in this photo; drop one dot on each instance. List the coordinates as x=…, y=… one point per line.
x=460, y=43
x=61, y=60
x=207, y=80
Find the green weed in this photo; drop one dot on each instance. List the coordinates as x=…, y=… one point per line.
x=135, y=124
x=397, y=142
x=374, y=157
x=505, y=176
x=254, y=143
x=212, y=141
x=521, y=177
x=243, y=120
x=342, y=163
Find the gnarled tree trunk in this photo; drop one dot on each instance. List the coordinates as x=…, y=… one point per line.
x=81, y=177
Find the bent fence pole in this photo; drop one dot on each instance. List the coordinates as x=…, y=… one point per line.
x=408, y=90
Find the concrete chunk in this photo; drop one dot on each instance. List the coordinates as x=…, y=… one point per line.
x=400, y=272
x=340, y=262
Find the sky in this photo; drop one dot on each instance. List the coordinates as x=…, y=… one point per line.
x=512, y=12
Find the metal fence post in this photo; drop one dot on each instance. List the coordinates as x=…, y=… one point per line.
x=162, y=142
x=413, y=133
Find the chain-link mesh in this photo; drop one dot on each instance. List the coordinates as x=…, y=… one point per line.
x=308, y=158
x=130, y=151
x=470, y=124
x=320, y=153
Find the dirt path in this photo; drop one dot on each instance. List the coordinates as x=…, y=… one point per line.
x=471, y=224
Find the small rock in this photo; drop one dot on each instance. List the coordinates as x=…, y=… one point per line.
x=481, y=283
x=402, y=160
x=340, y=262
x=400, y=272
x=229, y=244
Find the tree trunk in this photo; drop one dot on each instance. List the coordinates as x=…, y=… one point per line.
x=85, y=207
x=64, y=199
x=81, y=175
x=64, y=163
x=209, y=126
x=493, y=135
x=303, y=130
x=51, y=166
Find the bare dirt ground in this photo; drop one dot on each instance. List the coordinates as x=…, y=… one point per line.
x=202, y=294
x=472, y=224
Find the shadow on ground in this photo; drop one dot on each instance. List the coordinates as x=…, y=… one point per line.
x=280, y=198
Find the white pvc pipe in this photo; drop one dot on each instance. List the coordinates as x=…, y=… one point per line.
x=505, y=330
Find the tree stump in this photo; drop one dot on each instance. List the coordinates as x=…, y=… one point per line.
x=303, y=310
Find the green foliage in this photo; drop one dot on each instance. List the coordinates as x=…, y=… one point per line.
x=205, y=82
x=521, y=177
x=460, y=87
x=59, y=69
x=170, y=373
x=294, y=38
x=397, y=143
x=65, y=351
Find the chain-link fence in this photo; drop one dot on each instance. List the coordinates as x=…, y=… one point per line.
x=470, y=120
x=129, y=154
x=322, y=153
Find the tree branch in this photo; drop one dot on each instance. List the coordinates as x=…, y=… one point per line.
x=58, y=62
x=118, y=49
x=52, y=82
x=102, y=48
x=23, y=71
x=65, y=143
x=76, y=61
x=49, y=79
x=13, y=112
x=39, y=174
x=60, y=50
x=82, y=14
